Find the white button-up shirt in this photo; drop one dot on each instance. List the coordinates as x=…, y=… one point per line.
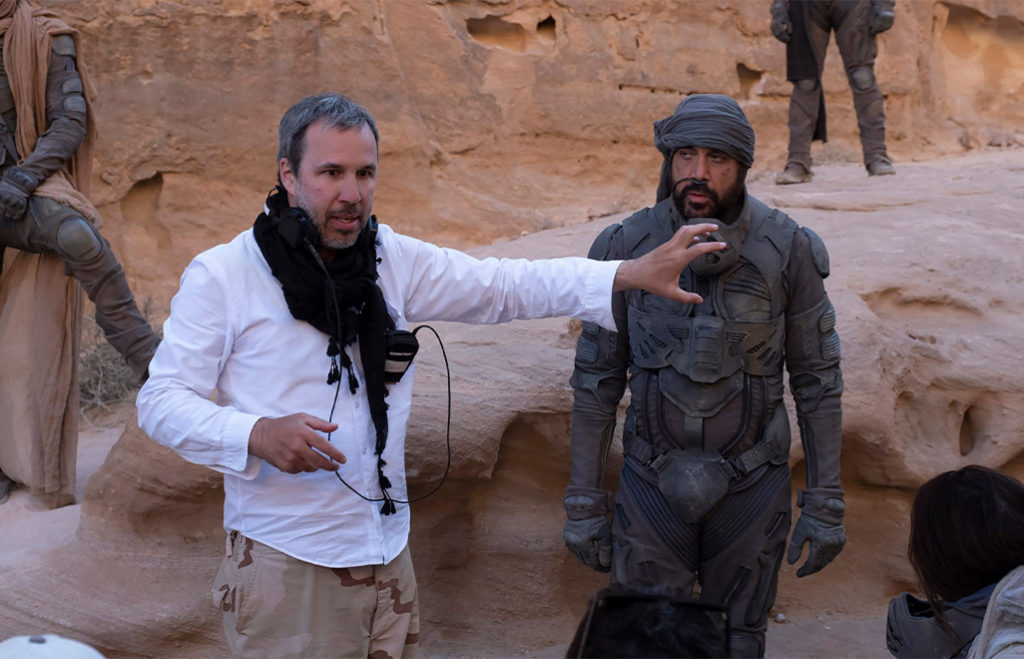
x=232, y=353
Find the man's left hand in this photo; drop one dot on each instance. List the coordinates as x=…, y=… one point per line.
x=882, y=17
x=658, y=271
x=16, y=187
x=820, y=525
x=13, y=201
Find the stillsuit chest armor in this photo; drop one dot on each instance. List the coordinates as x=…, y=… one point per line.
x=701, y=373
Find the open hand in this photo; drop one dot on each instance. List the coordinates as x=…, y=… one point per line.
x=658, y=271
x=292, y=444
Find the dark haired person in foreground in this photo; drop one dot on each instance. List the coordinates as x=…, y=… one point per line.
x=704, y=495
x=290, y=325
x=967, y=548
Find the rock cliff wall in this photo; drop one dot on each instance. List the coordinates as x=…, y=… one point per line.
x=497, y=116
x=500, y=118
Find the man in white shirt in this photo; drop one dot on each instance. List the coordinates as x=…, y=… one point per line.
x=272, y=371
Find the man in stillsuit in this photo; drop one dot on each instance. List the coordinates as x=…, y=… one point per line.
x=704, y=494
x=804, y=26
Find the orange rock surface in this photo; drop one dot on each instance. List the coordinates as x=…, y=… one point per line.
x=501, y=118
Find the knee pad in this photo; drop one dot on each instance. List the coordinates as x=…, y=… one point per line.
x=78, y=241
x=807, y=84
x=862, y=77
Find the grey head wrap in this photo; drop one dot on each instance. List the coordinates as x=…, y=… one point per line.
x=711, y=121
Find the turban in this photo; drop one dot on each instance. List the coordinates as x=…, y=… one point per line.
x=711, y=121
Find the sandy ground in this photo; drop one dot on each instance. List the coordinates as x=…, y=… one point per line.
x=38, y=529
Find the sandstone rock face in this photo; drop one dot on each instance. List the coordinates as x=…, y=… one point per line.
x=926, y=288
x=497, y=116
x=507, y=117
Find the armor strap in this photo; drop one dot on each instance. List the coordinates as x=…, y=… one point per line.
x=773, y=446
x=744, y=463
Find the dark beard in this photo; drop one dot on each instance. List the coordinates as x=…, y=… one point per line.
x=716, y=209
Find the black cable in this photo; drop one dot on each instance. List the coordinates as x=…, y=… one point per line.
x=337, y=390
x=447, y=434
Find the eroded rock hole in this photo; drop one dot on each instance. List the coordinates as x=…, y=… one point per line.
x=495, y=31
x=140, y=205
x=967, y=432
x=546, y=30
x=748, y=77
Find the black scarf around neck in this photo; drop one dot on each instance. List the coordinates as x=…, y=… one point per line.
x=340, y=298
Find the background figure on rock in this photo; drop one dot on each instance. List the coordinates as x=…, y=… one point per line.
x=46, y=135
x=704, y=495
x=804, y=26
x=967, y=548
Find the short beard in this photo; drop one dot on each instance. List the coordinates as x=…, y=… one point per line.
x=319, y=223
x=718, y=208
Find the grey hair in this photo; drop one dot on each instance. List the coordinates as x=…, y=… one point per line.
x=335, y=109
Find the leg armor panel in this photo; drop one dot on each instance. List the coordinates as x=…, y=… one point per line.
x=742, y=546
x=807, y=85
x=651, y=545
x=859, y=48
x=861, y=78
x=60, y=230
x=746, y=644
x=77, y=240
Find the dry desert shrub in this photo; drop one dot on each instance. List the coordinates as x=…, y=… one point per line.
x=104, y=378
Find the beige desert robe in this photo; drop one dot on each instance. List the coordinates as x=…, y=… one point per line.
x=40, y=307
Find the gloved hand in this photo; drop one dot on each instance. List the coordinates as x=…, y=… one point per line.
x=16, y=187
x=821, y=525
x=588, y=533
x=882, y=16
x=782, y=24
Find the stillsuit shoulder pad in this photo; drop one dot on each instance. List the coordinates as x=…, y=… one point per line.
x=819, y=255
x=603, y=243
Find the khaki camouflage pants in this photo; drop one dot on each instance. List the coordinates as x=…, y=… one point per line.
x=278, y=606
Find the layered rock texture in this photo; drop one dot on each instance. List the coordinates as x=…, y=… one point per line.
x=534, y=117
x=497, y=116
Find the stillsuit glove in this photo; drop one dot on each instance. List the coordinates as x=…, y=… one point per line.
x=821, y=525
x=782, y=24
x=16, y=187
x=588, y=533
x=882, y=16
